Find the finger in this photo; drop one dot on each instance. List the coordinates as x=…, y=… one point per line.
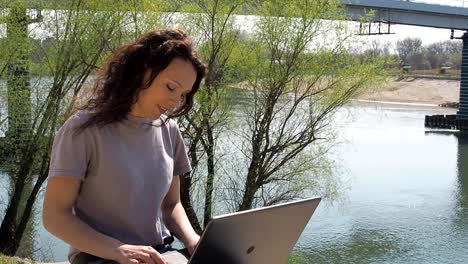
x=158, y=259
x=133, y=261
x=146, y=258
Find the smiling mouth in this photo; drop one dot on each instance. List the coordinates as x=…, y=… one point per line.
x=163, y=110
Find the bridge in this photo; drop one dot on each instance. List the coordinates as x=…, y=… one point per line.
x=409, y=13
x=425, y=15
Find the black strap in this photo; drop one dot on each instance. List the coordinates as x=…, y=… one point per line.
x=168, y=240
x=166, y=246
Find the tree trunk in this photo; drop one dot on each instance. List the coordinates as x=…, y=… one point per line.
x=211, y=175
x=251, y=187
x=31, y=200
x=249, y=191
x=185, y=186
x=9, y=242
x=251, y=182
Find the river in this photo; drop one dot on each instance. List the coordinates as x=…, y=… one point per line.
x=408, y=195
x=406, y=199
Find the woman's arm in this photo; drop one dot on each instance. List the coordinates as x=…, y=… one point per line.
x=176, y=219
x=58, y=219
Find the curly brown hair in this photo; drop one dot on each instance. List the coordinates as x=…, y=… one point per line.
x=119, y=83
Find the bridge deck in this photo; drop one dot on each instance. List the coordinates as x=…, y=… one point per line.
x=409, y=13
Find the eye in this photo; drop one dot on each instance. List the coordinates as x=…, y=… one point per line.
x=170, y=88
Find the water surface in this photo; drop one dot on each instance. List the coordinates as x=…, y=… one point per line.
x=408, y=195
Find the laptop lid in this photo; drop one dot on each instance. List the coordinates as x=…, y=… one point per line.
x=264, y=235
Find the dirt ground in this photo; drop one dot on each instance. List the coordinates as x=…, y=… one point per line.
x=423, y=91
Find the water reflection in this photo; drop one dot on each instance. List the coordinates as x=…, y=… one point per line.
x=462, y=192
x=402, y=207
x=362, y=246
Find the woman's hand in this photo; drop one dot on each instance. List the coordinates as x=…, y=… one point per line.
x=192, y=243
x=131, y=254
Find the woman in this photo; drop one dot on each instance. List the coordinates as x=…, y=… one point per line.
x=115, y=165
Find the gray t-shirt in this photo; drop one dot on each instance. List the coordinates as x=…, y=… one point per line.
x=126, y=169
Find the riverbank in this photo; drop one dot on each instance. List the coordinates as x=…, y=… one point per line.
x=13, y=260
x=416, y=91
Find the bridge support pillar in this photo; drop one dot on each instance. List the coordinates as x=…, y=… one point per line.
x=460, y=120
x=462, y=113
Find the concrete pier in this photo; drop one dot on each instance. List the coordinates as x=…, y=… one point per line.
x=463, y=110
x=460, y=120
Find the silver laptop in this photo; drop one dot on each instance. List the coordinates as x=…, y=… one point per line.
x=260, y=236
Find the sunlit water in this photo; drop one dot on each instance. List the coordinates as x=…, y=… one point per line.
x=406, y=199
x=408, y=195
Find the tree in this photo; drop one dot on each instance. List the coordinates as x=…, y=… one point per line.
x=290, y=83
x=82, y=35
x=444, y=53
x=262, y=138
x=378, y=49
x=436, y=55
x=453, y=50
x=296, y=85
x=213, y=22
x=411, y=51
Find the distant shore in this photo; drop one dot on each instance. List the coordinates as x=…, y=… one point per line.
x=425, y=92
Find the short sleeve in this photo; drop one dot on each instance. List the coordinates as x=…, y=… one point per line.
x=70, y=151
x=181, y=160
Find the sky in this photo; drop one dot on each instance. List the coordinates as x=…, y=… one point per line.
x=427, y=35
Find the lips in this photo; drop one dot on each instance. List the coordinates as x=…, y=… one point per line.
x=162, y=109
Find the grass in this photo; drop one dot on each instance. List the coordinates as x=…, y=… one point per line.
x=13, y=260
x=296, y=259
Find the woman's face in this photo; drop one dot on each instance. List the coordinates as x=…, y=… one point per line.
x=167, y=91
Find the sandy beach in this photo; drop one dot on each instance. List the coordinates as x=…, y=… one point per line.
x=420, y=91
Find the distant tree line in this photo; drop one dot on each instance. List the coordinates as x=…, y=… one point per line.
x=409, y=51
x=412, y=52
